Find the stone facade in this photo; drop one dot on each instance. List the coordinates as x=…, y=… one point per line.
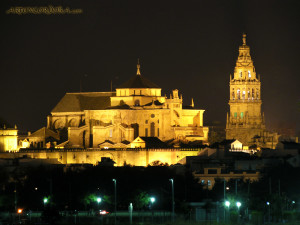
x=135, y=109
x=8, y=139
x=245, y=120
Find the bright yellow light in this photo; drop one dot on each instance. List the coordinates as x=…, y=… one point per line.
x=20, y=211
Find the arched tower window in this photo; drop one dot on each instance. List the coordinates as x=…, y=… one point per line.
x=244, y=94
x=241, y=74
x=252, y=93
x=249, y=93
x=238, y=93
x=152, y=129
x=233, y=94
x=249, y=74
x=257, y=94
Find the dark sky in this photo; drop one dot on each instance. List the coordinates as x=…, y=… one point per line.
x=189, y=45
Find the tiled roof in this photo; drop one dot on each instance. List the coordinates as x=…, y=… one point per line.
x=45, y=133
x=138, y=81
x=76, y=102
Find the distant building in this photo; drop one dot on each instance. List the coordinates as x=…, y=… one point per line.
x=245, y=120
x=8, y=139
x=209, y=176
x=137, y=108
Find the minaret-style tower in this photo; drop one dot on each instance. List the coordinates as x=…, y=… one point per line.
x=245, y=120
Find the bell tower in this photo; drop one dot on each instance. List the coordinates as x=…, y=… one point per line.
x=245, y=120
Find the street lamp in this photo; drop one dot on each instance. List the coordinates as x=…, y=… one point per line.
x=98, y=201
x=19, y=213
x=227, y=204
x=173, y=203
x=45, y=200
x=115, y=184
x=238, y=204
x=152, y=200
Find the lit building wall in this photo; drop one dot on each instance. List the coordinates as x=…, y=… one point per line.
x=135, y=157
x=8, y=139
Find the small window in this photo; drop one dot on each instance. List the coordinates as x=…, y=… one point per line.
x=146, y=122
x=242, y=115
x=235, y=114
x=110, y=132
x=241, y=74
x=202, y=181
x=249, y=74
x=152, y=115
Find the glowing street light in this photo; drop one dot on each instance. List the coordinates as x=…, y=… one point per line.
x=45, y=200
x=227, y=203
x=98, y=200
x=152, y=200
x=238, y=204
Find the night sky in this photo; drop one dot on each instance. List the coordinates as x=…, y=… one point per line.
x=189, y=45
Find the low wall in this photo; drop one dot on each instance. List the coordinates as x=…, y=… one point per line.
x=135, y=157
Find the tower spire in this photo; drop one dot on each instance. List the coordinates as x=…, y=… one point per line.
x=138, y=72
x=244, y=39
x=192, y=103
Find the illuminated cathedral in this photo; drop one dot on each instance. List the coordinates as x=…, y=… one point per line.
x=137, y=108
x=245, y=120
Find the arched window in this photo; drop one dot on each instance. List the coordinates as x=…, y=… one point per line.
x=257, y=94
x=249, y=94
x=252, y=93
x=238, y=93
x=152, y=129
x=244, y=94
x=233, y=94
x=249, y=74
x=241, y=74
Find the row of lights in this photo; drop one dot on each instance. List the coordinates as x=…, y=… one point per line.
x=238, y=204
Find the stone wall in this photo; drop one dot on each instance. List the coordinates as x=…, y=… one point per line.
x=135, y=157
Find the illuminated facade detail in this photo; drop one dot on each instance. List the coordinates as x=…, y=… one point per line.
x=135, y=109
x=245, y=120
x=8, y=139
